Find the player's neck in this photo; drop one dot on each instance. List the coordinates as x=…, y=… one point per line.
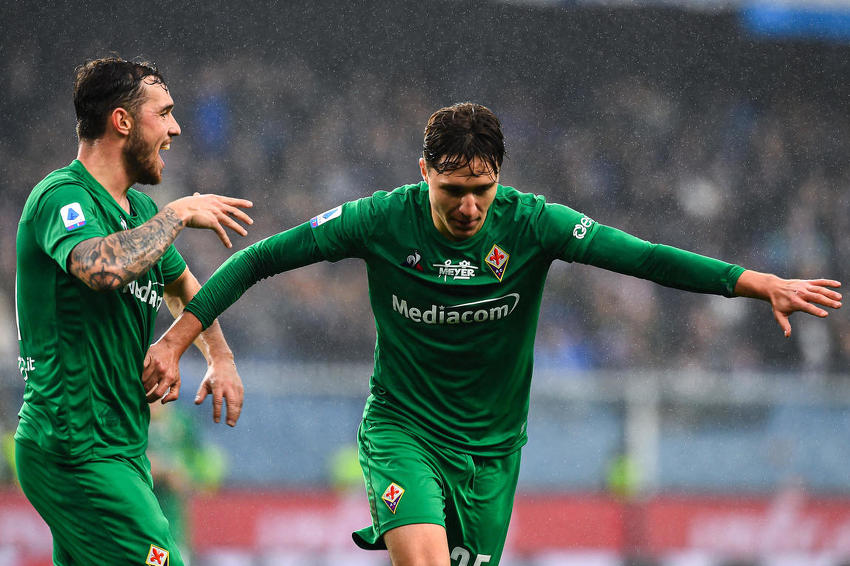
x=105, y=163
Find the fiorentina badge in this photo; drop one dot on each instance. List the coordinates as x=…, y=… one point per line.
x=157, y=556
x=497, y=260
x=392, y=496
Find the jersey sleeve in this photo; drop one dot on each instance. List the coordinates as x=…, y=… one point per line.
x=173, y=264
x=618, y=251
x=65, y=216
x=284, y=251
x=564, y=232
x=343, y=231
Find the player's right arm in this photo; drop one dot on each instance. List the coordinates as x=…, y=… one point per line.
x=110, y=262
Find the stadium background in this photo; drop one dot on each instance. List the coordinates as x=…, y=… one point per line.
x=666, y=428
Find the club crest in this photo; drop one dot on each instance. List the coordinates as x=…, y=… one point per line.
x=392, y=495
x=157, y=556
x=497, y=261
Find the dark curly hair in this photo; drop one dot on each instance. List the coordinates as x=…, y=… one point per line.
x=102, y=85
x=457, y=134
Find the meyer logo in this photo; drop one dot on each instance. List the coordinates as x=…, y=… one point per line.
x=580, y=229
x=72, y=216
x=325, y=216
x=157, y=556
x=392, y=495
x=145, y=293
x=467, y=313
x=461, y=270
x=497, y=261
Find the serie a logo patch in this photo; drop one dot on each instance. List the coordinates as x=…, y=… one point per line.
x=392, y=495
x=157, y=556
x=72, y=216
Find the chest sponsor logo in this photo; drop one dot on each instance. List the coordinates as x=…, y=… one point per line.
x=72, y=216
x=157, y=556
x=150, y=293
x=325, y=216
x=580, y=229
x=497, y=261
x=392, y=495
x=413, y=261
x=467, y=313
x=460, y=270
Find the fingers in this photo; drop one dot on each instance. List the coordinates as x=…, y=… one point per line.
x=173, y=393
x=234, y=409
x=784, y=324
x=823, y=296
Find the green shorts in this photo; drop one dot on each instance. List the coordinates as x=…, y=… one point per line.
x=411, y=480
x=102, y=511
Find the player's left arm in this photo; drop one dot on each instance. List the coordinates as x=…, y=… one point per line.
x=221, y=380
x=618, y=251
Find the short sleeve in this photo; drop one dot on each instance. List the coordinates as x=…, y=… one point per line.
x=564, y=232
x=172, y=263
x=66, y=215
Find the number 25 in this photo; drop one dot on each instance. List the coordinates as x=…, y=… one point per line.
x=461, y=553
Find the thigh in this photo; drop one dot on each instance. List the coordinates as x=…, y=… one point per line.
x=478, y=511
x=102, y=510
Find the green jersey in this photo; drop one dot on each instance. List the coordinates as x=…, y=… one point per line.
x=82, y=351
x=456, y=320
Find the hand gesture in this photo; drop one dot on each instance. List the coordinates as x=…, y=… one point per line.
x=214, y=212
x=225, y=385
x=793, y=295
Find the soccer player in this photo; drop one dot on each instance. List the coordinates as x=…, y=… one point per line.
x=456, y=266
x=95, y=261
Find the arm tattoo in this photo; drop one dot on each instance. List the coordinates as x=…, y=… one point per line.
x=109, y=263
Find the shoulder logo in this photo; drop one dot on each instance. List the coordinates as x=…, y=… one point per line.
x=497, y=261
x=413, y=261
x=157, y=556
x=392, y=495
x=72, y=216
x=580, y=229
x=325, y=216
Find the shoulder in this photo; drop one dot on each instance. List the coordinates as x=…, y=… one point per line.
x=399, y=198
x=516, y=204
x=62, y=184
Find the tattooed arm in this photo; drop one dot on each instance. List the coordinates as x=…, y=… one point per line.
x=110, y=262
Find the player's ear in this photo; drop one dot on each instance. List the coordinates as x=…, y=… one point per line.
x=423, y=168
x=121, y=121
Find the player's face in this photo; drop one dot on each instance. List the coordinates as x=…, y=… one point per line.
x=154, y=126
x=460, y=199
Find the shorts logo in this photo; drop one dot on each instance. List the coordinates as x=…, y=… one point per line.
x=497, y=261
x=413, y=261
x=72, y=216
x=392, y=496
x=325, y=216
x=157, y=556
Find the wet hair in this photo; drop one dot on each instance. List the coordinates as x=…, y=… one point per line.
x=102, y=85
x=457, y=134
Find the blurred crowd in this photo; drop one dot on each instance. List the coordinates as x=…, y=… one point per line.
x=757, y=178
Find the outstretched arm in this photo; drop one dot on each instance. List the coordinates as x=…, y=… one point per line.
x=113, y=261
x=787, y=296
x=621, y=252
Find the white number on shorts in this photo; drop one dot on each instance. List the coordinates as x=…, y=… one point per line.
x=461, y=553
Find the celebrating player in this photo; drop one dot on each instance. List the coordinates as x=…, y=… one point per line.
x=456, y=266
x=94, y=263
